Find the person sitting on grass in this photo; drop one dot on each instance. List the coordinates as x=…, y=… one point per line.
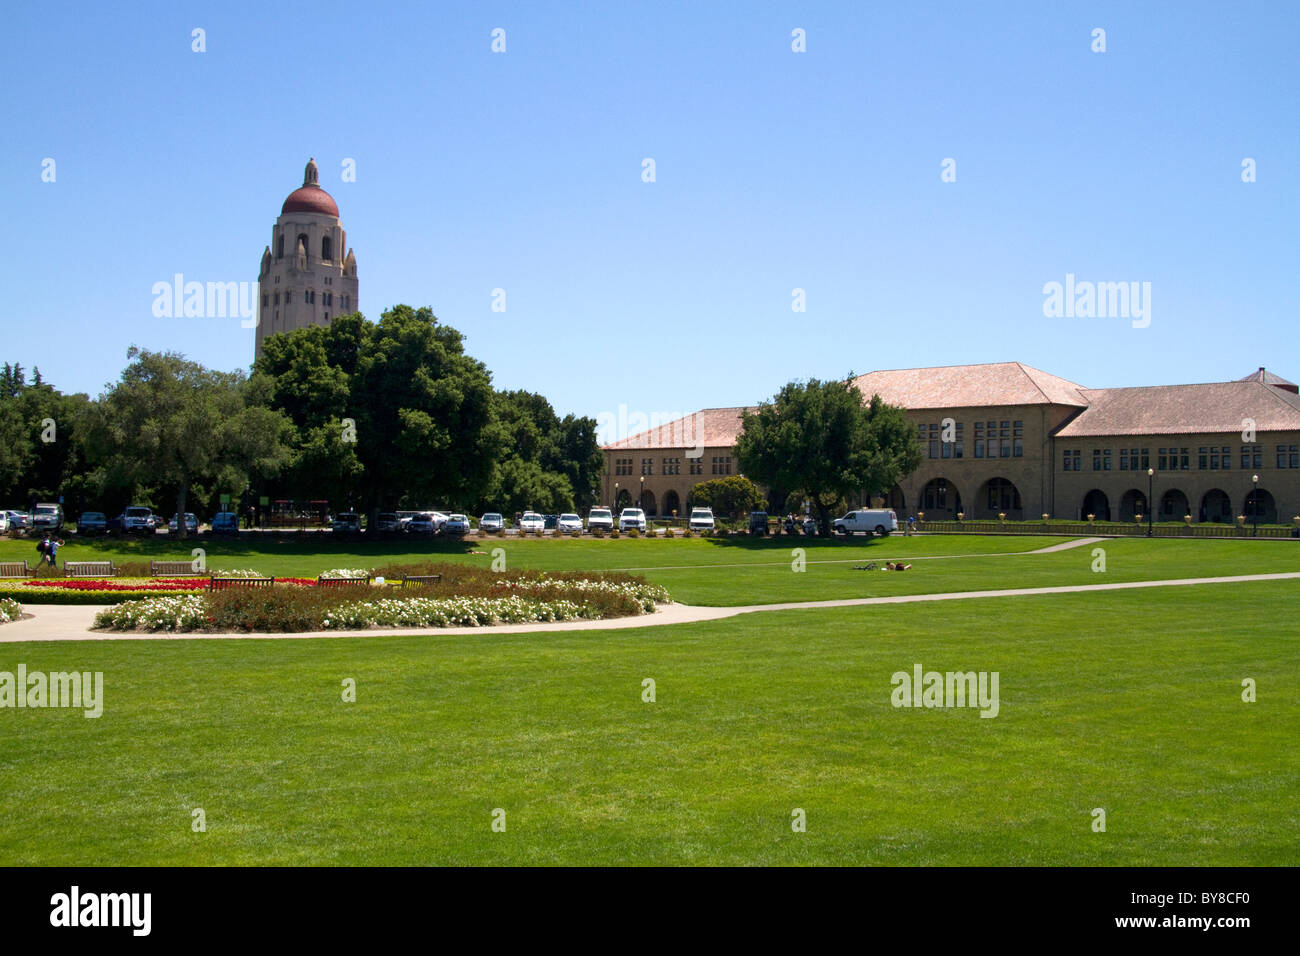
x=895, y=566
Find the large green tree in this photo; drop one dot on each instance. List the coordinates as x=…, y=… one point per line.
x=40, y=440
x=173, y=425
x=733, y=495
x=547, y=463
x=824, y=440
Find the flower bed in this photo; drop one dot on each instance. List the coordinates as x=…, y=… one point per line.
x=526, y=598
x=10, y=610
x=111, y=590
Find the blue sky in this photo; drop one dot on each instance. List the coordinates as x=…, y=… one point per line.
x=775, y=170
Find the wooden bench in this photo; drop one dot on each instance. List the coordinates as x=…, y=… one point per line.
x=421, y=579
x=324, y=582
x=174, y=569
x=89, y=569
x=223, y=584
x=14, y=569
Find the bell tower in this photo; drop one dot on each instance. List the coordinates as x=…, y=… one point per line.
x=308, y=274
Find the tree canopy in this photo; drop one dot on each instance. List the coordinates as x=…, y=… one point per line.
x=822, y=439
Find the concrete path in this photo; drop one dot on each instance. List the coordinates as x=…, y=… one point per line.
x=55, y=622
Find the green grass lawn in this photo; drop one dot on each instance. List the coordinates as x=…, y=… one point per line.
x=1129, y=701
x=740, y=572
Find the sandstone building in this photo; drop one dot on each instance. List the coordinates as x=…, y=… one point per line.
x=1009, y=439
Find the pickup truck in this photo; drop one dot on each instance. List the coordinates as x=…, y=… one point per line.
x=879, y=521
x=701, y=519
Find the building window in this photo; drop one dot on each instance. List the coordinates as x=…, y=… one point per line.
x=1072, y=460
x=672, y=466
x=979, y=446
x=1018, y=447
x=279, y=249
x=1225, y=458
x=1288, y=456
x=722, y=464
x=1006, y=448
x=277, y=298
x=325, y=248
x=623, y=466
x=696, y=465
x=956, y=447
x=647, y=466
x=1101, y=459
x=1252, y=456
x=266, y=300
x=934, y=448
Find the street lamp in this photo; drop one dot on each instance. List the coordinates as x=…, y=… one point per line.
x=1151, y=480
x=1254, y=504
x=641, y=500
x=616, y=494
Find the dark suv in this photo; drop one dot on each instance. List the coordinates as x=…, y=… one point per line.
x=758, y=522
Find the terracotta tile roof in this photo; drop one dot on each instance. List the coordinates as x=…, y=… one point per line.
x=1268, y=378
x=1184, y=410
x=709, y=428
x=970, y=386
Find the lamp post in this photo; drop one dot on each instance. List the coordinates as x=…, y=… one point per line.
x=641, y=500
x=1151, y=481
x=616, y=494
x=1254, y=504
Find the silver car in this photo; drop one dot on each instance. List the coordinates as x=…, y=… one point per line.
x=491, y=521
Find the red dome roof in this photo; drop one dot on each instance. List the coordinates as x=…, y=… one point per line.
x=311, y=199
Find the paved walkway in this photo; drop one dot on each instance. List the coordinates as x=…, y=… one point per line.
x=60, y=622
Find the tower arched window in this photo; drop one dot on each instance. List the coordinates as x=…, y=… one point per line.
x=302, y=239
x=279, y=247
x=325, y=248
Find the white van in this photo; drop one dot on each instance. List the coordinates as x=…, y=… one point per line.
x=879, y=521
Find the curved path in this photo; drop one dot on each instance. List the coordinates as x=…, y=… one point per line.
x=61, y=622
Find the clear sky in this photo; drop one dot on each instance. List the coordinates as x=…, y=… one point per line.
x=774, y=171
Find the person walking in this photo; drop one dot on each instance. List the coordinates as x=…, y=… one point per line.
x=52, y=550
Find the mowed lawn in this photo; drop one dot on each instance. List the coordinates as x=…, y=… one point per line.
x=742, y=572
x=1128, y=701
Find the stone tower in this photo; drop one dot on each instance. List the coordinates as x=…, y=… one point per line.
x=308, y=273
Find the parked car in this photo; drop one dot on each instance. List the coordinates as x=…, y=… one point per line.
x=191, y=524
x=422, y=523
x=631, y=518
x=404, y=519
x=701, y=519
x=136, y=519
x=347, y=523
x=387, y=522
x=568, y=524
x=758, y=522
x=879, y=521
x=92, y=522
x=440, y=519
x=19, y=520
x=491, y=521
x=47, y=517
x=531, y=523
x=4, y=522
x=225, y=522
x=600, y=518
x=456, y=524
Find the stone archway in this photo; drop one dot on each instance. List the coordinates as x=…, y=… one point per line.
x=1133, y=503
x=647, y=502
x=1096, y=503
x=939, y=500
x=1216, y=506
x=998, y=496
x=624, y=500
x=1173, y=506
x=1259, y=500
x=672, y=503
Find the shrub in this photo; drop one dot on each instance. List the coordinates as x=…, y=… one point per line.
x=10, y=610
